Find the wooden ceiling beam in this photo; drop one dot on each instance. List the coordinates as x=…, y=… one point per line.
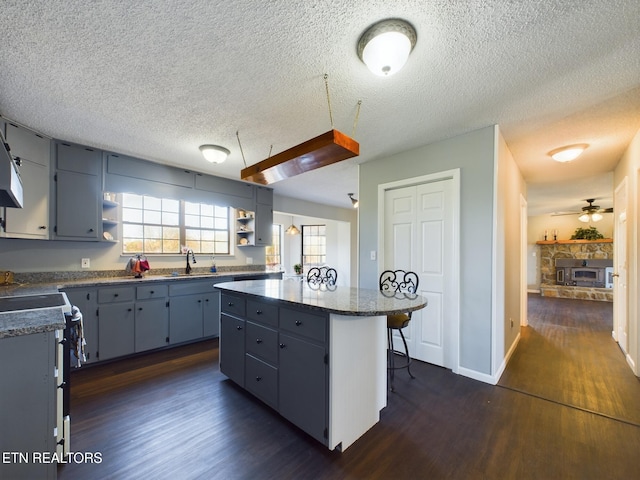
x=325, y=149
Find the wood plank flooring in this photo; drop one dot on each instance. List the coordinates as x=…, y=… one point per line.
x=173, y=415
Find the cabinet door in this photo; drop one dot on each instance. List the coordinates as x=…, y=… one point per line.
x=32, y=220
x=86, y=301
x=117, y=330
x=185, y=318
x=263, y=223
x=232, y=348
x=78, y=199
x=211, y=313
x=152, y=324
x=303, y=385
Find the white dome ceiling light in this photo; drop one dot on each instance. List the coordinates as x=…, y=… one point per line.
x=214, y=153
x=385, y=46
x=568, y=153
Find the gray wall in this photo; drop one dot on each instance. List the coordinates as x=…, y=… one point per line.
x=474, y=154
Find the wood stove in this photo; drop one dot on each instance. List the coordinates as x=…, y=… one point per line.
x=583, y=273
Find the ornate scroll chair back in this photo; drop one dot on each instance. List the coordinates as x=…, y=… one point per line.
x=398, y=283
x=318, y=276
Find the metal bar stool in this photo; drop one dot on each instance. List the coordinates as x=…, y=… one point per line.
x=398, y=283
x=322, y=276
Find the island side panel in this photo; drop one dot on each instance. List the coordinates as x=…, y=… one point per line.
x=358, y=376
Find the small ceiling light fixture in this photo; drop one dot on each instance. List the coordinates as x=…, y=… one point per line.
x=354, y=201
x=568, y=153
x=385, y=46
x=214, y=153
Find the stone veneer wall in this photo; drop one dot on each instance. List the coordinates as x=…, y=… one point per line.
x=548, y=252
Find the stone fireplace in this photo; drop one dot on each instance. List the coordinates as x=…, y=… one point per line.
x=550, y=251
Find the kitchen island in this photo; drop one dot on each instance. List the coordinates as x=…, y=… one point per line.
x=316, y=355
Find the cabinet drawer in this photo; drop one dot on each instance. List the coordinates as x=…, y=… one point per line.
x=232, y=305
x=262, y=312
x=261, y=379
x=151, y=291
x=262, y=342
x=303, y=323
x=116, y=294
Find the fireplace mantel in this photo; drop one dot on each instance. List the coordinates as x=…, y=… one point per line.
x=565, y=242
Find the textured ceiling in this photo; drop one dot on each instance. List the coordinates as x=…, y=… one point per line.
x=156, y=79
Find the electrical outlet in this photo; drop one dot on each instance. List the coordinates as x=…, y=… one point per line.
x=511, y=320
x=249, y=260
x=373, y=254
x=86, y=263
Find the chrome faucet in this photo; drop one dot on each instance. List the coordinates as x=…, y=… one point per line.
x=193, y=259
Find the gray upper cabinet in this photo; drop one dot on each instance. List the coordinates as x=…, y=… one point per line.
x=154, y=172
x=78, y=193
x=209, y=183
x=34, y=151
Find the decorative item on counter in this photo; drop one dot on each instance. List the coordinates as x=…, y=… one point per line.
x=590, y=233
x=137, y=265
x=545, y=235
x=213, y=265
x=555, y=234
x=6, y=277
x=298, y=268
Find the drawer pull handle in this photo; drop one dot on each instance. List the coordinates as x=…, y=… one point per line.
x=152, y=292
x=282, y=345
x=129, y=309
x=238, y=327
x=230, y=304
x=115, y=294
x=258, y=340
x=258, y=379
x=298, y=323
x=139, y=309
x=258, y=312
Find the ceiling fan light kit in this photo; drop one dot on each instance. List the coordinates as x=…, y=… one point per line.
x=214, y=153
x=568, y=152
x=385, y=46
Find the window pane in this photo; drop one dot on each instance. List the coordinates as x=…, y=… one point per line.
x=157, y=225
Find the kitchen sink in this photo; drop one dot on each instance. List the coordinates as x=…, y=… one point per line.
x=31, y=302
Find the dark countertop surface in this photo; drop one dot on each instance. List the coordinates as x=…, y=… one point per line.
x=349, y=301
x=25, y=322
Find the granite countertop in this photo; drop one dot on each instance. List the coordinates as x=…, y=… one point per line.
x=350, y=301
x=25, y=322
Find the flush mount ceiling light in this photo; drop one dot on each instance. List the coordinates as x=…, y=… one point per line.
x=214, y=153
x=385, y=46
x=568, y=153
x=354, y=201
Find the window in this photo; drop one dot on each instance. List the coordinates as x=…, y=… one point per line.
x=161, y=225
x=273, y=251
x=314, y=246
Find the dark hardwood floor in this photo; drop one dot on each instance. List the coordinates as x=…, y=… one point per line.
x=173, y=415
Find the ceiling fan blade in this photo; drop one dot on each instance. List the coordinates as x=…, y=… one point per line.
x=606, y=210
x=558, y=214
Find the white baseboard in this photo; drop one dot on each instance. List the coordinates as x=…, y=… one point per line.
x=491, y=379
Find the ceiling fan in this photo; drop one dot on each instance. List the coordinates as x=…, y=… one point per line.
x=589, y=213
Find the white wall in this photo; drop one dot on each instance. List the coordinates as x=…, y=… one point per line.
x=342, y=233
x=629, y=168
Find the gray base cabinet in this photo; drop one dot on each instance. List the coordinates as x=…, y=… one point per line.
x=28, y=404
x=280, y=355
x=185, y=318
x=117, y=330
x=151, y=323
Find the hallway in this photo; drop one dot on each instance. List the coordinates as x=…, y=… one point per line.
x=567, y=355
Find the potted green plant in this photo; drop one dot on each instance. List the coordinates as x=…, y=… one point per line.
x=590, y=233
x=298, y=268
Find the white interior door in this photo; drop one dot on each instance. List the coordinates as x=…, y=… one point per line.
x=418, y=236
x=620, y=319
